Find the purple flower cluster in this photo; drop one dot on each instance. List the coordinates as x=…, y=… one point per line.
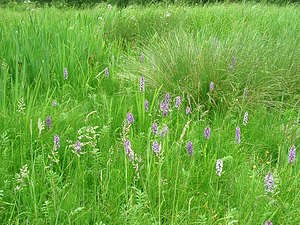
x=189, y=148
x=269, y=183
x=56, y=141
x=142, y=84
x=78, y=147
x=130, y=118
x=177, y=102
x=292, y=154
x=106, y=72
x=66, y=73
x=164, y=107
x=207, y=132
x=48, y=122
x=146, y=105
x=164, y=130
x=268, y=222
x=129, y=150
x=156, y=147
x=167, y=98
x=154, y=128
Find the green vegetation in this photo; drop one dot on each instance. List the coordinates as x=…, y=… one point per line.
x=63, y=115
x=124, y=3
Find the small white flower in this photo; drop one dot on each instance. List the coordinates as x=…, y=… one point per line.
x=41, y=125
x=219, y=167
x=246, y=117
x=21, y=106
x=18, y=188
x=168, y=14
x=54, y=103
x=21, y=178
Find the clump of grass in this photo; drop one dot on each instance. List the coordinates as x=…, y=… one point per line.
x=240, y=62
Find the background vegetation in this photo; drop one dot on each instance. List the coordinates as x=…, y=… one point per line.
x=250, y=52
x=85, y=3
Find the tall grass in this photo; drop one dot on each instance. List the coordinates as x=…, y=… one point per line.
x=184, y=49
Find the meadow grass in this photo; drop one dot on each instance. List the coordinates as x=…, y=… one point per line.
x=82, y=69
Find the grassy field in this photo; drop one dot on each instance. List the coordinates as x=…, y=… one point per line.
x=92, y=130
